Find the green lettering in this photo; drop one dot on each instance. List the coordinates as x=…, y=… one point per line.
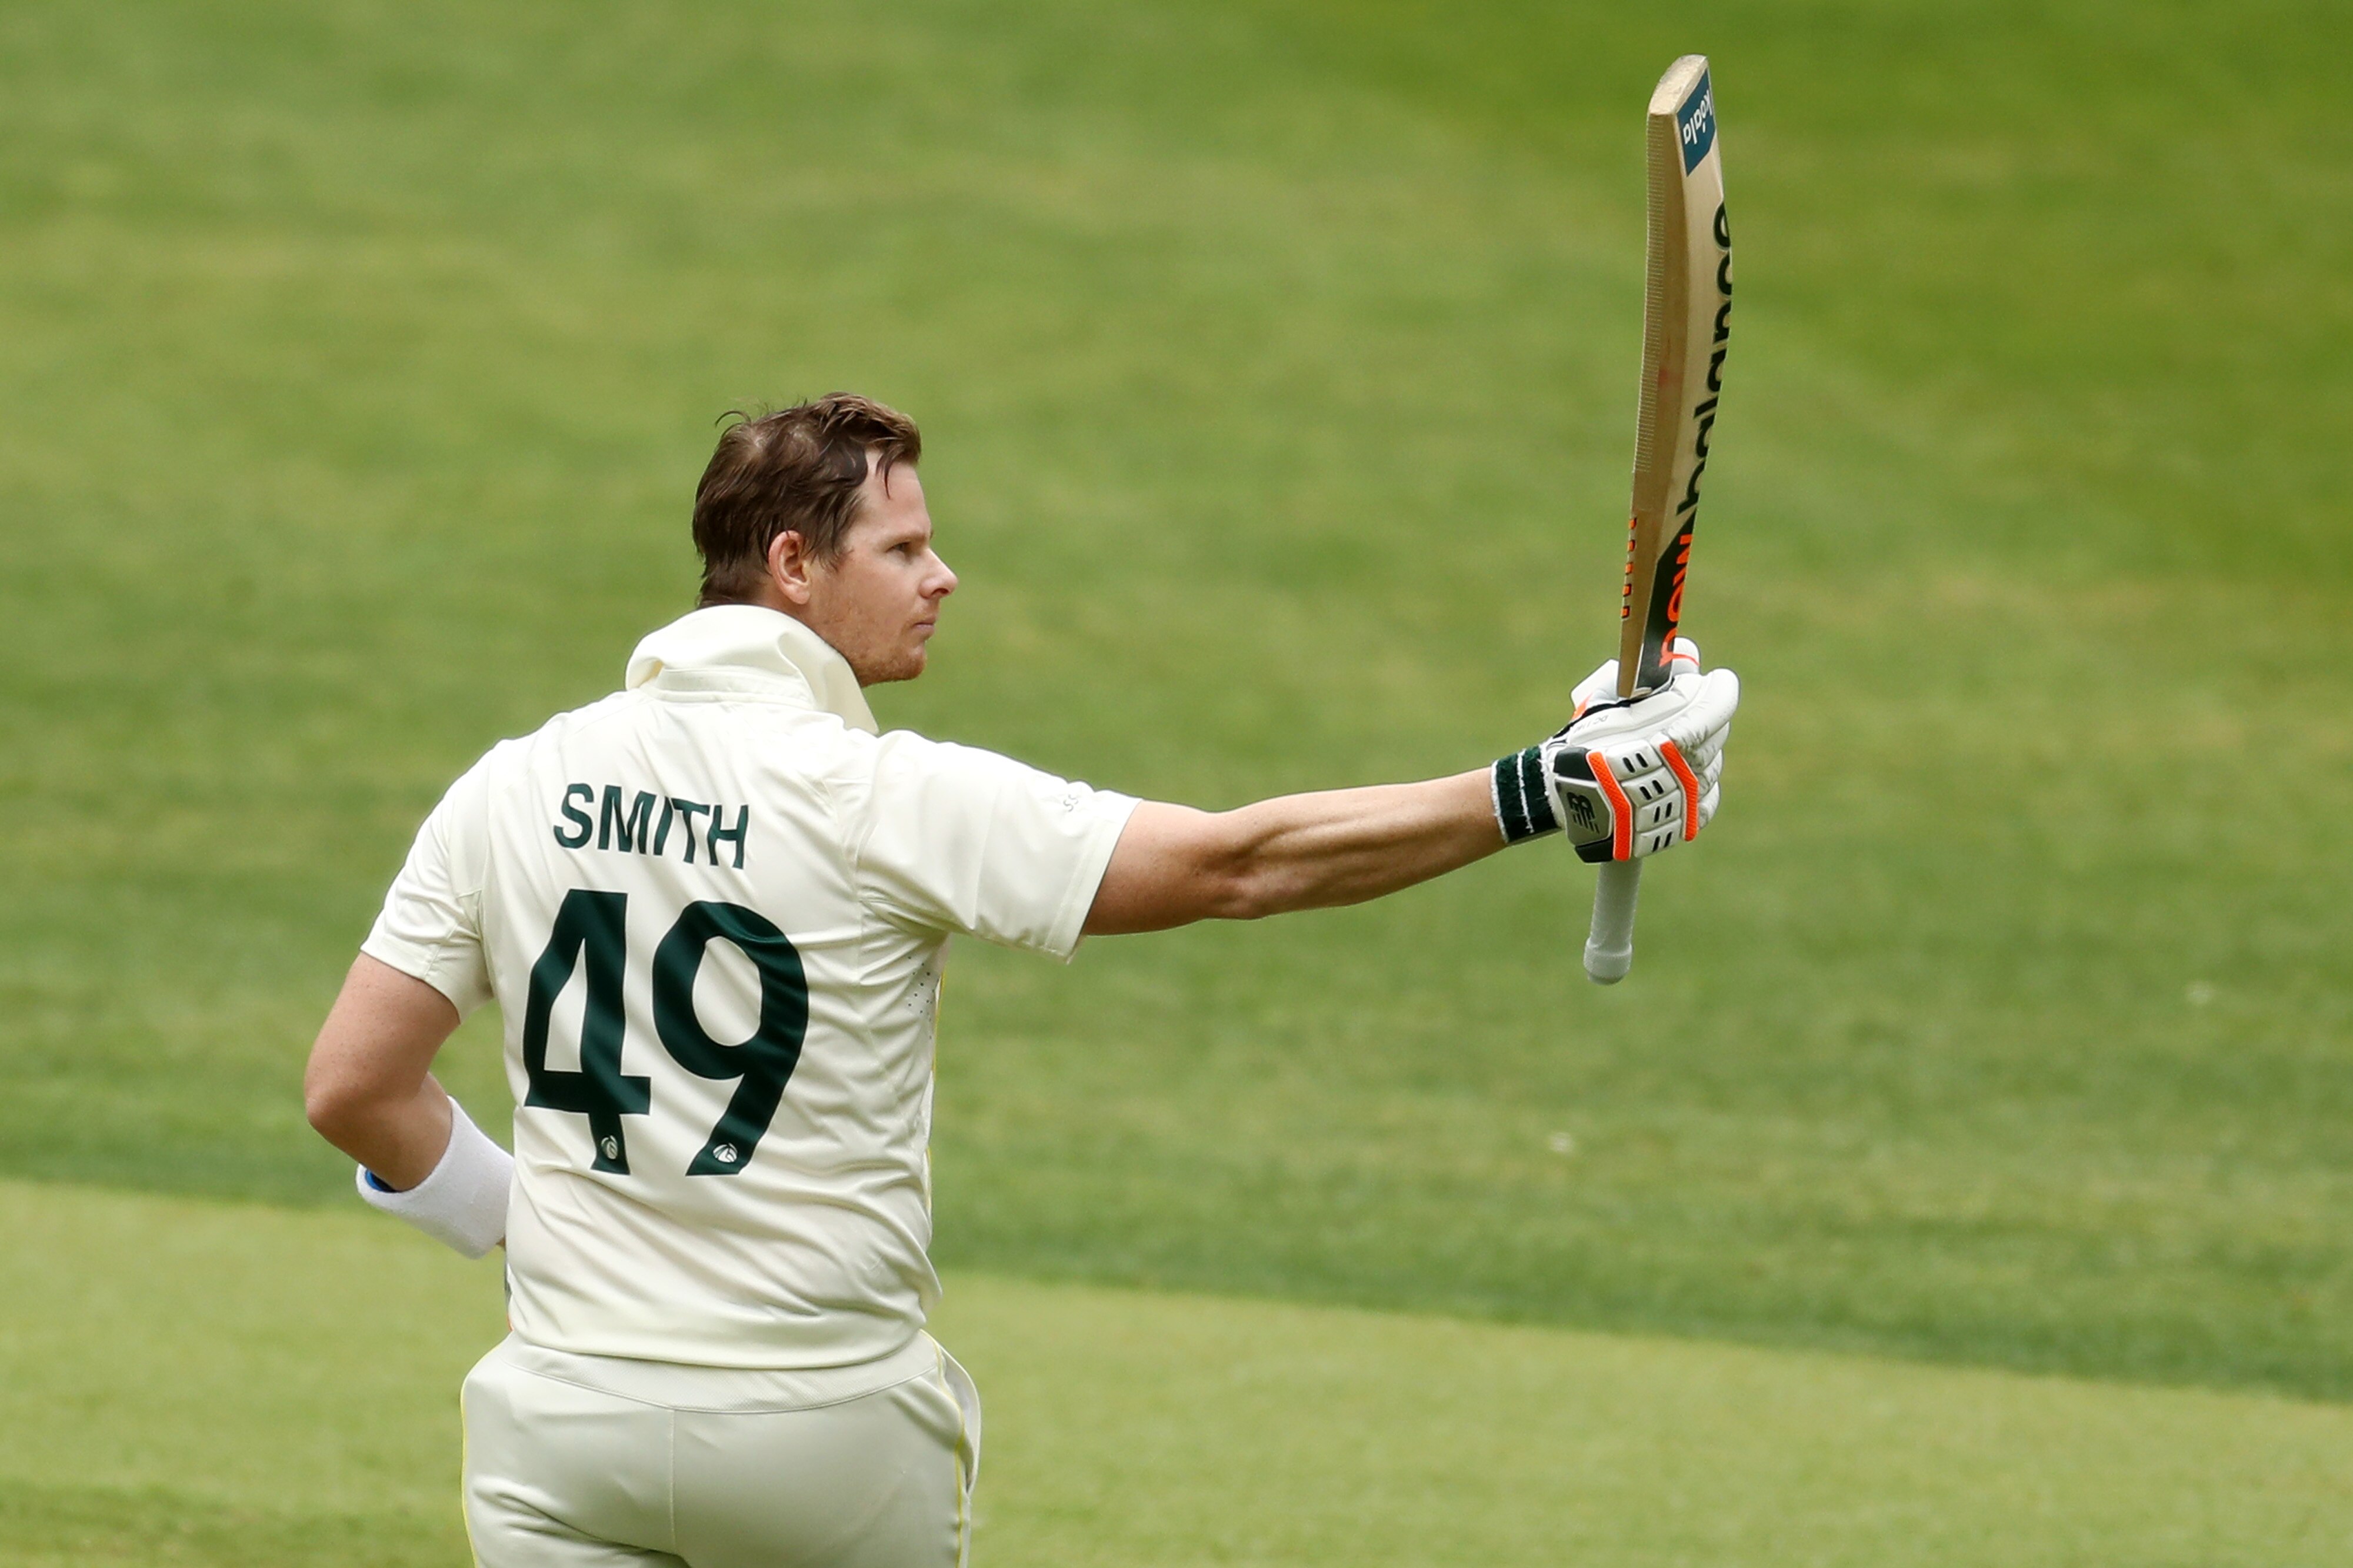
x=734, y=833
x=574, y=813
x=687, y=808
x=615, y=830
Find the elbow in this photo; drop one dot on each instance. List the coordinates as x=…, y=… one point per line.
x=1248, y=898
x=1244, y=878
x=328, y=1111
x=1174, y=865
x=336, y=1106
x=1223, y=884
x=1240, y=889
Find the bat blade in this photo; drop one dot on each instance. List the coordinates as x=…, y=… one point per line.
x=1687, y=325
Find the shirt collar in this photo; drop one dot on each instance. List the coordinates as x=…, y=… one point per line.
x=749, y=649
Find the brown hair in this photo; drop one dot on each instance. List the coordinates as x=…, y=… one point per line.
x=796, y=470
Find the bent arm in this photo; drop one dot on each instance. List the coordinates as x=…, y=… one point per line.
x=367, y=1089
x=1174, y=865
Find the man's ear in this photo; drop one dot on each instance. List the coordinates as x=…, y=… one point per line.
x=790, y=567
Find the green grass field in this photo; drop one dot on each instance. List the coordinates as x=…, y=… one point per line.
x=213, y=1362
x=1276, y=364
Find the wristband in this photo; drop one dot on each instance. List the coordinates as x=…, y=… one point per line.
x=1522, y=802
x=463, y=1204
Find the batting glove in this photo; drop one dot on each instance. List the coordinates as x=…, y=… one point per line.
x=1601, y=685
x=1625, y=779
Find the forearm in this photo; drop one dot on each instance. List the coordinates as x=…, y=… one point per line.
x=1345, y=846
x=369, y=1092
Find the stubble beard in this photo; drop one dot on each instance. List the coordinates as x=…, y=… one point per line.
x=891, y=665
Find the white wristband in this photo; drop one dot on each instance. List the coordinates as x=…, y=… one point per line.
x=463, y=1204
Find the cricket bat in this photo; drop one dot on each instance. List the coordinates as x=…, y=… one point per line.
x=1686, y=321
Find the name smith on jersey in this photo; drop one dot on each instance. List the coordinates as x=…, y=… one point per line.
x=639, y=823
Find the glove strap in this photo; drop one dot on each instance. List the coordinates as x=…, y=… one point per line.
x=1690, y=781
x=1523, y=800
x=1621, y=810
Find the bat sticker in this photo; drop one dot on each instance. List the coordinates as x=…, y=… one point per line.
x=1695, y=122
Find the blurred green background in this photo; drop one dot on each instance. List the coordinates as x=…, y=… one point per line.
x=1276, y=364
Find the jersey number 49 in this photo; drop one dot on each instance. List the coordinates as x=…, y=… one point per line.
x=592, y=928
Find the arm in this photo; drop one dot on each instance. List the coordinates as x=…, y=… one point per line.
x=1174, y=865
x=1626, y=779
x=367, y=1089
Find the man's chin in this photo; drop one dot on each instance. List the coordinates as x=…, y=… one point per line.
x=905, y=667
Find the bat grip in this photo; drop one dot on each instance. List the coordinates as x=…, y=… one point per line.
x=1610, y=947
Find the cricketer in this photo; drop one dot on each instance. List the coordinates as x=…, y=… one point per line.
x=713, y=908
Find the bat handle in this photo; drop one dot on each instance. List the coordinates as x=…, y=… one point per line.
x=1610, y=948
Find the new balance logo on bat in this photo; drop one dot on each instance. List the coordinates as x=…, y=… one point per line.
x=1723, y=292
x=1703, y=422
x=1675, y=586
x=1704, y=412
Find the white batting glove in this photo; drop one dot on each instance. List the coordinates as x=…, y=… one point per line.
x=1601, y=685
x=1625, y=779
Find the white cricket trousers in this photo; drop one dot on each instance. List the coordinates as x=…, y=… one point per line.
x=593, y=1462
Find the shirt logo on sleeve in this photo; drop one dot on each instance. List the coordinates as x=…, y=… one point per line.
x=641, y=823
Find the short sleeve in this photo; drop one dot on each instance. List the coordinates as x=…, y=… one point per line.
x=949, y=838
x=431, y=927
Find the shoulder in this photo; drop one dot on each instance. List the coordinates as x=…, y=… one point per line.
x=473, y=791
x=903, y=769
x=605, y=711
x=461, y=821
x=950, y=788
x=906, y=751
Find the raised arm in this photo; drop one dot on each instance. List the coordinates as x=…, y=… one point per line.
x=1174, y=865
x=1625, y=780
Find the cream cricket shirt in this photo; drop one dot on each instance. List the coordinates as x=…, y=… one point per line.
x=713, y=908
